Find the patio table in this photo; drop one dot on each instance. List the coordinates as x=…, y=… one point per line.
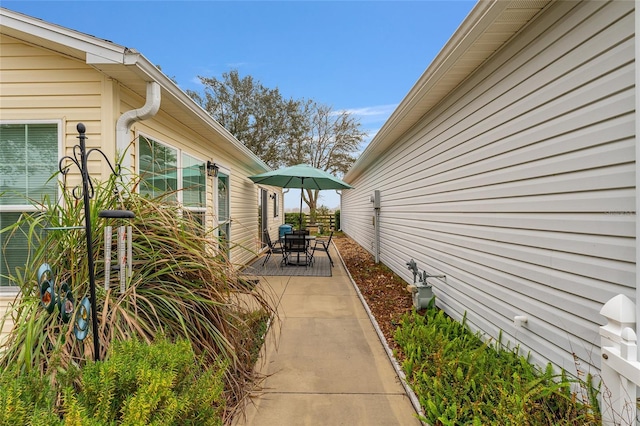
x=288, y=250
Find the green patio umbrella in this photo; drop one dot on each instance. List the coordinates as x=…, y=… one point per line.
x=300, y=176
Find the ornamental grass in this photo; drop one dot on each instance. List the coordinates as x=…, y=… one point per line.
x=181, y=288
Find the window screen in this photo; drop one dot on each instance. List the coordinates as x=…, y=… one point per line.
x=158, y=169
x=28, y=163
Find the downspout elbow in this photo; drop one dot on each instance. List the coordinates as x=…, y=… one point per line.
x=126, y=120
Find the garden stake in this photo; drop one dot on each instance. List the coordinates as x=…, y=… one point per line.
x=79, y=158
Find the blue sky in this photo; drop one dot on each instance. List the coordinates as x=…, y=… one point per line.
x=360, y=56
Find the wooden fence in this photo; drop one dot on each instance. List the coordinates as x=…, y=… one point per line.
x=327, y=221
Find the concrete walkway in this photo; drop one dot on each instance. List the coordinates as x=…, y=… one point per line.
x=324, y=362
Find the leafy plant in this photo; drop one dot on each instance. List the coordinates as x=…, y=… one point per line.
x=295, y=218
x=180, y=287
x=459, y=379
x=25, y=398
x=163, y=383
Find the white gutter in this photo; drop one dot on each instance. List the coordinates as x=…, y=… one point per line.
x=126, y=120
x=479, y=36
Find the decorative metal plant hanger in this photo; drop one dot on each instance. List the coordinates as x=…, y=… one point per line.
x=87, y=307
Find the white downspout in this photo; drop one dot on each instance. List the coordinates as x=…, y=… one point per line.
x=126, y=120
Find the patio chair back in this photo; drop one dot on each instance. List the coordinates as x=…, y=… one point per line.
x=271, y=247
x=329, y=240
x=267, y=240
x=322, y=245
x=295, y=243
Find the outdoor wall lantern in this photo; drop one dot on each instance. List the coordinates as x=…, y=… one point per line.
x=212, y=169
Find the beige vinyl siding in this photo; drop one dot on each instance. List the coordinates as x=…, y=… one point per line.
x=243, y=197
x=69, y=90
x=60, y=87
x=520, y=186
x=245, y=233
x=36, y=84
x=41, y=84
x=6, y=302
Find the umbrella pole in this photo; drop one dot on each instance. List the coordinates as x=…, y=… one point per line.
x=301, y=189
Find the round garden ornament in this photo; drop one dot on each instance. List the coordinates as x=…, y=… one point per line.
x=66, y=302
x=46, y=287
x=81, y=328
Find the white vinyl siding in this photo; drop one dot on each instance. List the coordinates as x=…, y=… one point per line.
x=520, y=186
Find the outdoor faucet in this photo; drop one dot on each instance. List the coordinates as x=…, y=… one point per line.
x=413, y=268
x=424, y=276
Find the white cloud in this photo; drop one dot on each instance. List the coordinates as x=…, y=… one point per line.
x=372, y=111
x=236, y=65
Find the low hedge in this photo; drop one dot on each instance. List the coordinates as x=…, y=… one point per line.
x=459, y=379
x=162, y=384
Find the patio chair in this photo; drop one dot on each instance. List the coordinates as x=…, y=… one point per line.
x=295, y=245
x=323, y=245
x=271, y=247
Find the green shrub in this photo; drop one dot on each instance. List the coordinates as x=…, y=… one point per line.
x=293, y=219
x=163, y=384
x=180, y=287
x=26, y=399
x=459, y=379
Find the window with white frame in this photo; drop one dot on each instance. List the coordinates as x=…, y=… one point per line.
x=167, y=170
x=158, y=169
x=28, y=161
x=194, y=188
x=276, y=207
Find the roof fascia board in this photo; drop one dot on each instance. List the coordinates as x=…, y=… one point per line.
x=97, y=48
x=102, y=52
x=152, y=73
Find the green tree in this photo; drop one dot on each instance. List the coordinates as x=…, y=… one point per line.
x=282, y=132
x=331, y=142
x=257, y=116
